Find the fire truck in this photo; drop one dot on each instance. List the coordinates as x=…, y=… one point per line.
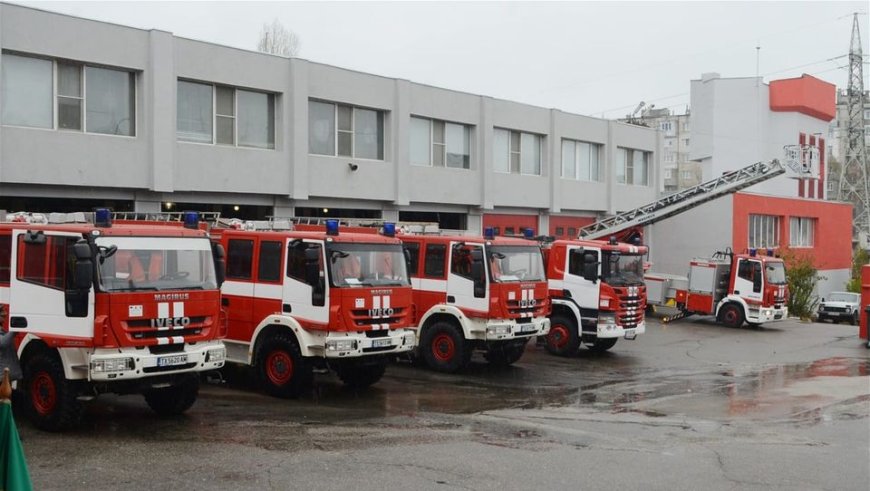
x=318, y=299
x=103, y=307
x=598, y=293
x=735, y=288
x=476, y=293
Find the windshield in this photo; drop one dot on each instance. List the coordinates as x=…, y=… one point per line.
x=843, y=297
x=156, y=263
x=515, y=263
x=775, y=273
x=367, y=264
x=622, y=269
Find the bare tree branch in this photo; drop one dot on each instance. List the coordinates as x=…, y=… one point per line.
x=278, y=40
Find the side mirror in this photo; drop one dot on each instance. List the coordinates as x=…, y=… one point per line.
x=82, y=250
x=477, y=272
x=407, y=254
x=84, y=274
x=756, y=284
x=823, y=299
x=220, y=263
x=312, y=267
x=34, y=237
x=590, y=267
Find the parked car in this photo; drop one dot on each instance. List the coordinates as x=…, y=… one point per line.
x=841, y=306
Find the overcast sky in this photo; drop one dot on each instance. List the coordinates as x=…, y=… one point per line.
x=592, y=58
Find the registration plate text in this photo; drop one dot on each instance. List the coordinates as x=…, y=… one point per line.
x=168, y=361
x=380, y=343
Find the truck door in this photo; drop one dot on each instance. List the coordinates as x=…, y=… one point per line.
x=468, y=279
x=749, y=281
x=306, y=289
x=238, y=289
x=583, y=290
x=43, y=298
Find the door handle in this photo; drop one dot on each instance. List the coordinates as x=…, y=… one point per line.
x=225, y=301
x=18, y=322
x=737, y=292
x=451, y=299
x=286, y=308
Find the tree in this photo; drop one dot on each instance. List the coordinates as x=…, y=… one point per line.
x=278, y=40
x=802, y=277
x=859, y=259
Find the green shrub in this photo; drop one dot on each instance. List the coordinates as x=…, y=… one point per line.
x=859, y=259
x=802, y=276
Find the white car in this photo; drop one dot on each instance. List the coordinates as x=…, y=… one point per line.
x=841, y=306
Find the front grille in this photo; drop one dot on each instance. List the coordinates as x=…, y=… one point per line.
x=146, y=323
x=834, y=309
x=630, y=307
x=165, y=334
x=361, y=317
x=170, y=368
x=378, y=349
x=515, y=309
x=380, y=333
x=162, y=349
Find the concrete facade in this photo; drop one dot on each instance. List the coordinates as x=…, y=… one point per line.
x=153, y=168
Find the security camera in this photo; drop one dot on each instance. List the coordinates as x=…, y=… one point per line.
x=352, y=166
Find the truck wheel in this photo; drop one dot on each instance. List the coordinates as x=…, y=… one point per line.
x=173, y=400
x=603, y=344
x=444, y=348
x=282, y=370
x=360, y=376
x=731, y=315
x=505, y=354
x=563, y=338
x=51, y=399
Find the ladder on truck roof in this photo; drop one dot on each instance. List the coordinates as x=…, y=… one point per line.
x=88, y=217
x=729, y=182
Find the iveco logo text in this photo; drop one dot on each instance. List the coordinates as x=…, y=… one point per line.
x=171, y=322
x=382, y=292
x=162, y=297
x=387, y=312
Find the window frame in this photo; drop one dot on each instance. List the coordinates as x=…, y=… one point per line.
x=335, y=105
x=598, y=172
x=510, y=152
x=272, y=97
x=442, y=145
x=82, y=67
x=625, y=162
x=761, y=225
x=804, y=229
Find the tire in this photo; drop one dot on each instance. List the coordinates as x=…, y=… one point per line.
x=731, y=315
x=854, y=319
x=505, y=354
x=822, y=319
x=50, y=398
x=563, y=338
x=282, y=370
x=444, y=349
x=173, y=400
x=603, y=344
x=361, y=376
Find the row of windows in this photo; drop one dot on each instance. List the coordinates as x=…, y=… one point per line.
x=764, y=231
x=56, y=94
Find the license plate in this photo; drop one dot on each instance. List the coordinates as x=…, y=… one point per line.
x=380, y=343
x=630, y=333
x=528, y=328
x=777, y=316
x=168, y=361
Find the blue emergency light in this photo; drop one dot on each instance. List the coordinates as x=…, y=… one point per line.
x=612, y=240
x=528, y=233
x=770, y=251
x=191, y=219
x=489, y=233
x=103, y=217
x=332, y=227
x=389, y=229
x=752, y=252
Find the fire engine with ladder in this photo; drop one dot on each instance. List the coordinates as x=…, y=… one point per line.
x=300, y=300
x=471, y=293
x=130, y=305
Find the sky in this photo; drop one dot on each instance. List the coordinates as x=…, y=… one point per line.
x=595, y=58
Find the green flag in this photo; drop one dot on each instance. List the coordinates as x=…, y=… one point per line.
x=13, y=466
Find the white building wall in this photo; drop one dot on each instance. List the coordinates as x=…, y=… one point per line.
x=699, y=232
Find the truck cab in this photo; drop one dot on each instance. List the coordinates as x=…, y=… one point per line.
x=597, y=291
x=475, y=293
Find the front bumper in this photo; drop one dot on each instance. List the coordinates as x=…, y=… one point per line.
x=767, y=314
x=607, y=329
x=506, y=329
x=355, y=344
x=839, y=315
x=130, y=363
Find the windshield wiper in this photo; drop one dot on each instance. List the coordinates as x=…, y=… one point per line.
x=135, y=289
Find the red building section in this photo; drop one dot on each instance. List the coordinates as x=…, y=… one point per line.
x=832, y=244
x=813, y=188
x=806, y=94
x=510, y=224
x=563, y=227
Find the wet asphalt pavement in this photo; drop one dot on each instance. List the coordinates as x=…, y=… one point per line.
x=691, y=405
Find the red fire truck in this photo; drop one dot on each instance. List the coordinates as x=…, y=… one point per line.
x=300, y=300
x=736, y=288
x=597, y=291
x=102, y=307
x=476, y=293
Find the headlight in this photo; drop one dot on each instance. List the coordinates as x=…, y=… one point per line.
x=217, y=354
x=821, y=308
x=341, y=345
x=112, y=365
x=604, y=303
x=848, y=308
x=497, y=330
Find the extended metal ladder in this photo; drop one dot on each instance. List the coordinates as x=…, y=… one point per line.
x=666, y=207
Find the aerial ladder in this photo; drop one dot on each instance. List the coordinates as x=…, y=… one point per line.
x=730, y=182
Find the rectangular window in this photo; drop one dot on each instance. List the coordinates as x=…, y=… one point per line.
x=801, y=232
x=687, y=174
x=413, y=254
x=296, y=261
x=516, y=152
x=345, y=131
x=269, y=268
x=209, y=113
x=69, y=96
x=5, y=258
x=421, y=141
x=439, y=143
x=632, y=167
x=240, y=259
x=763, y=231
x=581, y=160
x=109, y=101
x=27, y=91
x=668, y=173
x=435, y=259
x=46, y=264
